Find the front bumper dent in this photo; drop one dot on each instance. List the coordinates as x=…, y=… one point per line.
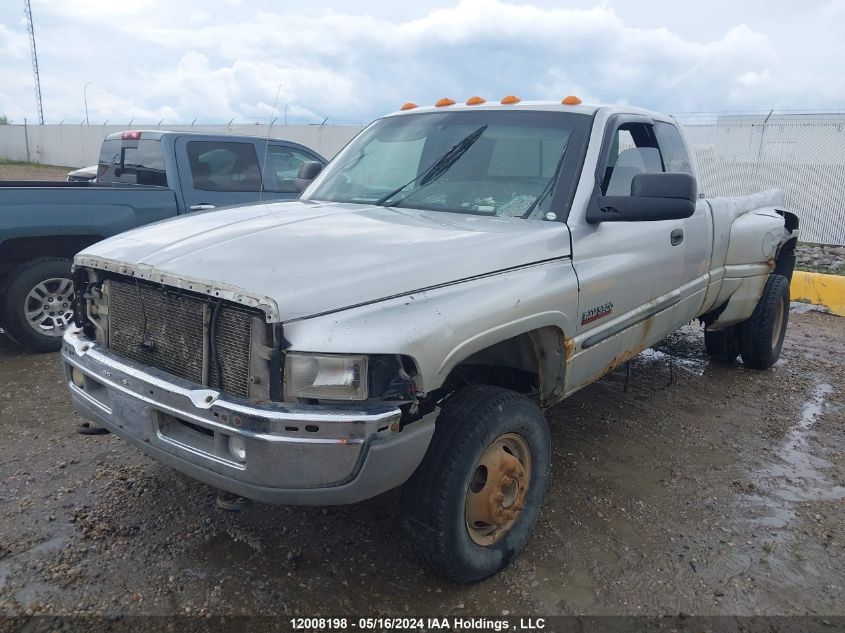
x=294, y=454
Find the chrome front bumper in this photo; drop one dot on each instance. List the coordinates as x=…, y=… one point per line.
x=294, y=454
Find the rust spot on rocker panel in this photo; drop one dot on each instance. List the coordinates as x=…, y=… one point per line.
x=631, y=352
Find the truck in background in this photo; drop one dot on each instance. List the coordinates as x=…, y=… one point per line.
x=142, y=177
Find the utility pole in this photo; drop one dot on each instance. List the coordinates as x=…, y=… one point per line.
x=85, y=99
x=29, y=27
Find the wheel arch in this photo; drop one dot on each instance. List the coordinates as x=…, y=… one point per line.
x=507, y=361
x=16, y=250
x=785, y=261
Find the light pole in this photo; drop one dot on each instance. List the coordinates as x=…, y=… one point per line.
x=85, y=99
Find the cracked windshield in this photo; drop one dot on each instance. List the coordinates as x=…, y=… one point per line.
x=479, y=163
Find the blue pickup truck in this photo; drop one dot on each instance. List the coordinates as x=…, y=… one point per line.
x=142, y=177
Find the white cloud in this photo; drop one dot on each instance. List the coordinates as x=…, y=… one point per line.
x=219, y=59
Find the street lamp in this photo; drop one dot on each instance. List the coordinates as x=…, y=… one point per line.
x=85, y=99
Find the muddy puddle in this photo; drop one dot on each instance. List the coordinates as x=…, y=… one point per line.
x=798, y=473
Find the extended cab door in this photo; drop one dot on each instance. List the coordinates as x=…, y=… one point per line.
x=630, y=274
x=697, y=237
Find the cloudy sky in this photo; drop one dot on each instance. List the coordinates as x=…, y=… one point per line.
x=215, y=60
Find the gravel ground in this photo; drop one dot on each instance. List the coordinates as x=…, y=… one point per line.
x=720, y=493
x=32, y=171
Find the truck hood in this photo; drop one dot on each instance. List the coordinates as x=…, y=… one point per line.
x=305, y=258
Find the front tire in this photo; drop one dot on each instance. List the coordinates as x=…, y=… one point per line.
x=38, y=306
x=471, y=505
x=763, y=333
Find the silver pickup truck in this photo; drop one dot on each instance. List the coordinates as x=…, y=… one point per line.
x=452, y=272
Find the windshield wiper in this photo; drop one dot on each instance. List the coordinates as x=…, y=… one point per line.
x=545, y=192
x=438, y=168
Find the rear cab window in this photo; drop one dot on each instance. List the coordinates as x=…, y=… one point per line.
x=674, y=152
x=133, y=162
x=223, y=166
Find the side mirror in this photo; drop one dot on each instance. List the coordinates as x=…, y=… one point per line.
x=657, y=196
x=308, y=171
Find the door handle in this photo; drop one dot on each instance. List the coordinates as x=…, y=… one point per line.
x=200, y=207
x=676, y=237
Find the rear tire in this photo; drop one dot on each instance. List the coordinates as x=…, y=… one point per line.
x=47, y=276
x=763, y=333
x=723, y=345
x=471, y=505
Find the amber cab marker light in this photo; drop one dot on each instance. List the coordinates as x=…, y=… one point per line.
x=476, y=100
x=511, y=99
x=445, y=101
x=571, y=100
x=408, y=106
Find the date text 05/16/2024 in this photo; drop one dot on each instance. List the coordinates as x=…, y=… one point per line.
x=468, y=624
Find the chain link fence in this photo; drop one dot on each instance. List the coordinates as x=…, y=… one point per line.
x=803, y=154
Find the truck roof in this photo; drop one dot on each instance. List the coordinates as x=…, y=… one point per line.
x=545, y=106
x=156, y=135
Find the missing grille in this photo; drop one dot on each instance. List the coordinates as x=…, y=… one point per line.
x=168, y=329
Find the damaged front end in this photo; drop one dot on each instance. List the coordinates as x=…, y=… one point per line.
x=194, y=375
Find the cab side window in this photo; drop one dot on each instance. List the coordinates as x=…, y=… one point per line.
x=633, y=151
x=672, y=148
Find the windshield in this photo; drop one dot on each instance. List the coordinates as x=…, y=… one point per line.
x=485, y=162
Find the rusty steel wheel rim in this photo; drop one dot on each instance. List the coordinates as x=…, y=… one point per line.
x=497, y=489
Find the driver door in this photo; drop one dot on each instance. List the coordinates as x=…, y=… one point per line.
x=629, y=273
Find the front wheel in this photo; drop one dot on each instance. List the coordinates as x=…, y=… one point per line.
x=471, y=505
x=763, y=333
x=38, y=305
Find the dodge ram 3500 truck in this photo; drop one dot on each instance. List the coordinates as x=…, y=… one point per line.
x=142, y=177
x=452, y=272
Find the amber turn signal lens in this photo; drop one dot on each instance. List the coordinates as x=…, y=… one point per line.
x=445, y=101
x=511, y=99
x=408, y=106
x=476, y=101
x=571, y=100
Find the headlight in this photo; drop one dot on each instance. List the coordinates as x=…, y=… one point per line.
x=323, y=376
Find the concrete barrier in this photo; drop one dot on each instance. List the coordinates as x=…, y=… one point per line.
x=819, y=289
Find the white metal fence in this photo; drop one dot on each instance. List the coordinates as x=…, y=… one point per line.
x=803, y=154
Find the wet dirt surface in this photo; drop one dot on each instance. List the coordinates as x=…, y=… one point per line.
x=720, y=493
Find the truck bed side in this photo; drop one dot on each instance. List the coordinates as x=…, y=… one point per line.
x=750, y=234
x=28, y=215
